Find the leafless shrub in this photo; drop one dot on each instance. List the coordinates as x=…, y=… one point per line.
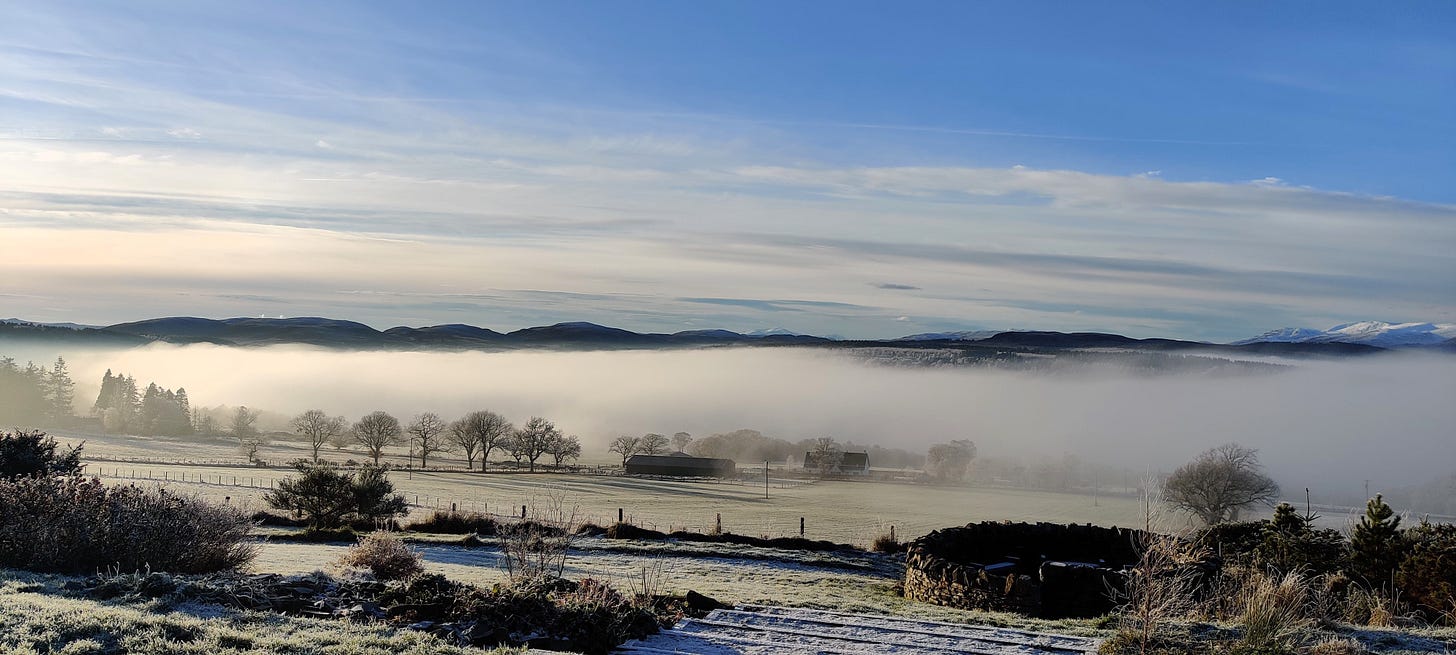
x=536, y=546
x=385, y=555
x=1161, y=587
x=647, y=584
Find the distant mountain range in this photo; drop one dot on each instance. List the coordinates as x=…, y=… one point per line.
x=1349, y=339
x=1371, y=333
x=335, y=333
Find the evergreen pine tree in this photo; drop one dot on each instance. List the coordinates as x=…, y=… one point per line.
x=184, y=412
x=121, y=406
x=107, y=395
x=61, y=392
x=153, y=407
x=1288, y=521
x=1283, y=538
x=1376, y=544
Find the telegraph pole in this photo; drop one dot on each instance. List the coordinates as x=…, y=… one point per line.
x=765, y=479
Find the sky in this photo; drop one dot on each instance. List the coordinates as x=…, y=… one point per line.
x=860, y=169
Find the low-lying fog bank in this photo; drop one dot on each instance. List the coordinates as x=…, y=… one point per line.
x=1328, y=425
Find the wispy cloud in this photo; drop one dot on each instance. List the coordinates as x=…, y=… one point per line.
x=137, y=181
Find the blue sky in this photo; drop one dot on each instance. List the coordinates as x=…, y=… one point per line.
x=864, y=169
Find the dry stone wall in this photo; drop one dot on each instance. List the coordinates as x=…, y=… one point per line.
x=1041, y=569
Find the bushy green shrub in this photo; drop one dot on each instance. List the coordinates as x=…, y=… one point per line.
x=79, y=525
x=1234, y=541
x=1291, y=545
x=1427, y=576
x=329, y=497
x=33, y=453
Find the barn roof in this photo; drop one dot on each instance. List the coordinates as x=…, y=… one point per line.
x=681, y=461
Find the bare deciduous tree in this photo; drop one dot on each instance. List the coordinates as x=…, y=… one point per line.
x=826, y=454
x=242, y=424
x=534, y=439
x=652, y=444
x=376, y=432
x=427, y=432
x=681, y=440
x=466, y=440
x=563, y=448
x=1219, y=483
x=481, y=431
x=950, y=461
x=250, y=440
x=319, y=428
x=625, y=446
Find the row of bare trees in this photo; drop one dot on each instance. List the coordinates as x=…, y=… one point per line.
x=648, y=444
x=477, y=434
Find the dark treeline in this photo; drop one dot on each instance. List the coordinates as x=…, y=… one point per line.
x=39, y=396
x=36, y=395
x=154, y=412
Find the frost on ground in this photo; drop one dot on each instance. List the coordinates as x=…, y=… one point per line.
x=720, y=575
x=778, y=630
x=36, y=617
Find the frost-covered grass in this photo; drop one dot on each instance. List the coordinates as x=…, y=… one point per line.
x=848, y=512
x=34, y=618
x=795, y=581
x=840, y=511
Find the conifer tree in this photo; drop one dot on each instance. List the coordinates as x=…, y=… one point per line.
x=1377, y=543
x=61, y=392
x=152, y=409
x=107, y=395
x=184, y=412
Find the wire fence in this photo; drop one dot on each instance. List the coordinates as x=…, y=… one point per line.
x=265, y=480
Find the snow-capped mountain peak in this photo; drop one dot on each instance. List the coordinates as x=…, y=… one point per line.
x=1374, y=333
x=965, y=335
x=773, y=332
x=1285, y=335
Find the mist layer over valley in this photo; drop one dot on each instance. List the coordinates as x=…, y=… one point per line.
x=1329, y=425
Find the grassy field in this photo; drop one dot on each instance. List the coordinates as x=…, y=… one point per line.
x=846, y=512
x=850, y=512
